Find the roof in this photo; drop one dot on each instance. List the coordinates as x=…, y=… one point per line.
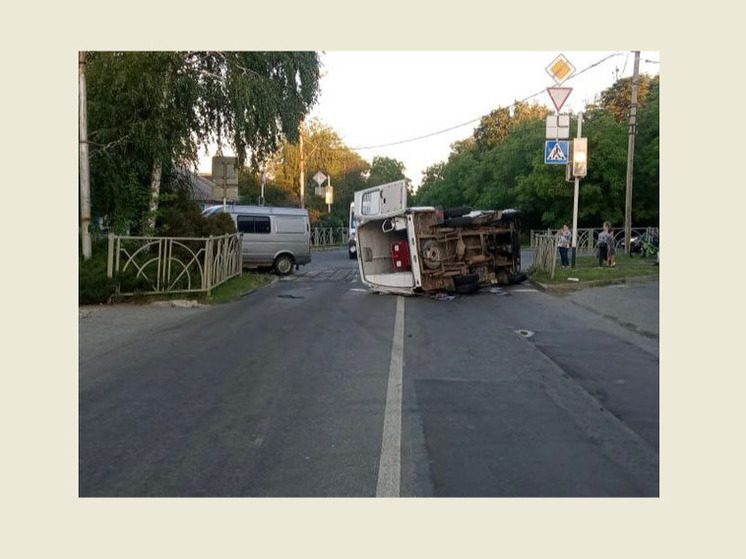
x=259, y=210
x=200, y=187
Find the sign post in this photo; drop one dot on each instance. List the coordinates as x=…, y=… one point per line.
x=319, y=178
x=575, y=202
x=556, y=150
x=329, y=195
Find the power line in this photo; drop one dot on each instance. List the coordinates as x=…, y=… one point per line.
x=472, y=121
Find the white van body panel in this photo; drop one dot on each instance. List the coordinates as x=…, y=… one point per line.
x=379, y=202
x=269, y=232
x=454, y=252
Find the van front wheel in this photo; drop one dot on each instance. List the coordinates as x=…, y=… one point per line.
x=283, y=264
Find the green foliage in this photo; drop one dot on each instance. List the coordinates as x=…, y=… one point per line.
x=502, y=166
x=324, y=151
x=93, y=285
x=150, y=109
x=384, y=170
x=617, y=98
x=181, y=217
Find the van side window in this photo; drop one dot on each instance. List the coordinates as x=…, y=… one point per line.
x=245, y=223
x=253, y=224
x=262, y=225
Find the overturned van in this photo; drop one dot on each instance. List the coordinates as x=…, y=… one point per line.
x=425, y=249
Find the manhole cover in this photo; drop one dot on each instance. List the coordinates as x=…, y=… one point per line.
x=524, y=333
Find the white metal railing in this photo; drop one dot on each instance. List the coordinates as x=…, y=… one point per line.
x=175, y=264
x=545, y=255
x=329, y=236
x=587, y=236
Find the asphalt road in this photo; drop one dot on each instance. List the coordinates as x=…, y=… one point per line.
x=316, y=387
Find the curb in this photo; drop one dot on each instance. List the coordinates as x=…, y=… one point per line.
x=568, y=287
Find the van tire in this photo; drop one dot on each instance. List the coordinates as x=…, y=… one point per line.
x=284, y=264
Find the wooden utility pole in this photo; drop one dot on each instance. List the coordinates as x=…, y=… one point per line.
x=85, y=181
x=631, y=155
x=302, y=172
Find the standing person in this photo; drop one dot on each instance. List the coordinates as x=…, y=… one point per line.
x=564, y=236
x=611, y=251
x=603, y=244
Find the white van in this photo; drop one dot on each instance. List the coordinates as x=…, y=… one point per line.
x=424, y=249
x=277, y=237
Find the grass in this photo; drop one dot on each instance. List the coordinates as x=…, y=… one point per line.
x=235, y=287
x=587, y=270
x=231, y=290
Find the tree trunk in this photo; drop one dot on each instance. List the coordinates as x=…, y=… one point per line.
x=155, y=190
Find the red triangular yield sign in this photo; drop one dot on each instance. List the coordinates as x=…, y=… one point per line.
x=559, y=95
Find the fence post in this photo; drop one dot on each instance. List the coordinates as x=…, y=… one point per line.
x=110, y=258
x=208, y=261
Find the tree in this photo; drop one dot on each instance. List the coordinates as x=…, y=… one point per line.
x=617, y=98
x=325, y=152
x=645, y=201
x=496, y=126
x=384, y=170
x=151, y=111
x=502, y=165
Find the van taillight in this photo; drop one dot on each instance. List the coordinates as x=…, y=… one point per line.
x=400, y=256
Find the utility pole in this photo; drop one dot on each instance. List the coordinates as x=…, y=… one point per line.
x=85, y=182
x=302, y=172
x=576, y=195
x=631, y=155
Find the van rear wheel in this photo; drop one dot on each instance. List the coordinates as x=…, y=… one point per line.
x=284, y=264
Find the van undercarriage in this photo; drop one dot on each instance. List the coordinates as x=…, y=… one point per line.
x=435, y=253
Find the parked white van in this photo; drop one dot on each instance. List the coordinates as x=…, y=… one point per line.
x=272, y=236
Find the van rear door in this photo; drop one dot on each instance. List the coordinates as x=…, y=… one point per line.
x=385, y=200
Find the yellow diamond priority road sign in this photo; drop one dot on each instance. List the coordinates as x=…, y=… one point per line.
x=560, y=69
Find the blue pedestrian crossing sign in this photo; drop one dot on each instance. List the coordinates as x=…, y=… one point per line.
x=557, y=152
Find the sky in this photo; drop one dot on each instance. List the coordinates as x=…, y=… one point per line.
x=380, y=97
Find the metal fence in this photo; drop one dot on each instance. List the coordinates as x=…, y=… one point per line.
x=587, y=236
x=329, y=236
x=545, y=255
x=175, y=264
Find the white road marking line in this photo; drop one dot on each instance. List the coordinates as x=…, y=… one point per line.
x=525, y=290
x=389, y=468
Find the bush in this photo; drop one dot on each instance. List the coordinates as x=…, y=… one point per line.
x=93, y=285
x=219, y=224
x=183, y=218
